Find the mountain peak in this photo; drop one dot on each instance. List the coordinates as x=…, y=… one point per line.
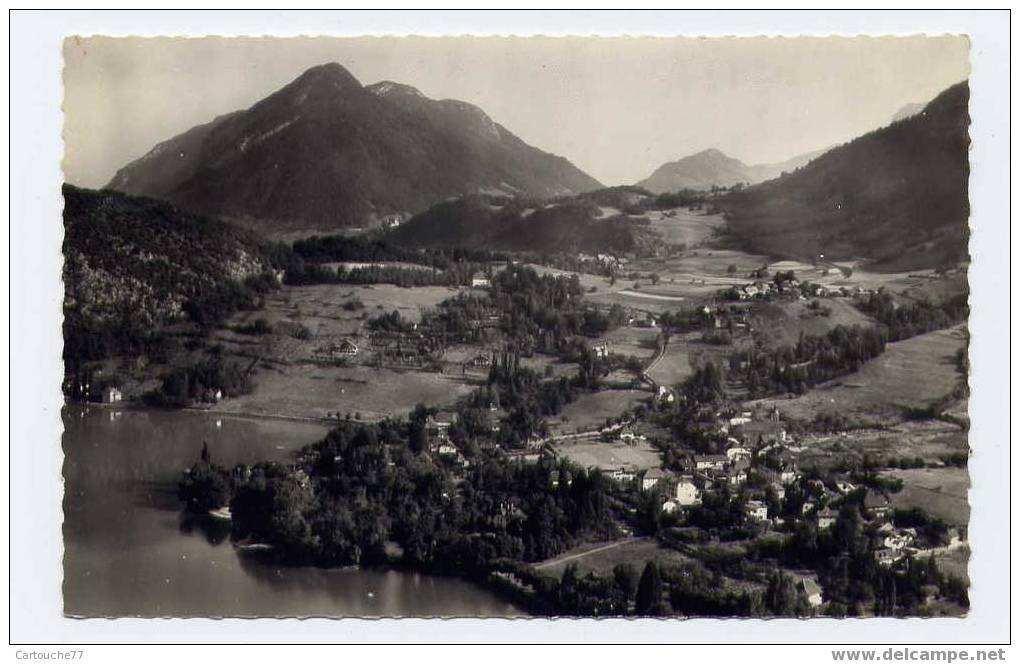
x=711, y=152
x=328, y=75
x=391, y=89
x=325, y=151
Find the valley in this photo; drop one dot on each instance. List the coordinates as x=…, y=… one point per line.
x=559, y=391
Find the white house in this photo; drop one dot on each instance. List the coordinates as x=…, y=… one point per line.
x=735, y=453
x=897, y=541
x=623, y=475
x=651, y=478
x=112, y=395
x=666, y=395
x=480, y=281
x=687, y=492
x=845, y=487
x=600, y=350
x=736, y=476
x=811, y=591
x=756, y=510
x=826, y=518
x=887, y=557
x=710, y=461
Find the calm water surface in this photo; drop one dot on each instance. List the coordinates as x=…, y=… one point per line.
x=129, y=551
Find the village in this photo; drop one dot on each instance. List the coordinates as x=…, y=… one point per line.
x=631, y=331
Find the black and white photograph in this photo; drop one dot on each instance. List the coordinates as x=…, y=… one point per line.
x=518, y=327
x=356, y=347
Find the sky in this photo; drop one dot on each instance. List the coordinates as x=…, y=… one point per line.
x=616, y=107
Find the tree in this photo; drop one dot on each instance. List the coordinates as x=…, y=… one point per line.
x=649, y=591
x=625, y=578
x=419, y=438
x=204, y=487
x=783, y=598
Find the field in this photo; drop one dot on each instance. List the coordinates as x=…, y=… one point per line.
x=289, y=383
x=590, y=410
x=930, y=440
x=636, y=342
x=602, y=557
x=609, y=456
x=675, y=364
x=685, y=226
x=310, y=390
x=941, y=492
x=912, y=373
x=782, y=324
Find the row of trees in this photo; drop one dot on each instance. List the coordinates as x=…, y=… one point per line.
x=813, y=359
x=910, y=319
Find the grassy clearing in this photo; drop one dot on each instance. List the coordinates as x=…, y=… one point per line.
x=609, y=456
x=685, y=226
x=602, y=557
x=930, y=440
x=309, y=390
x=590, y=410
x=912, y=373
x=675, y=364
x=941, y=492
x=782, y=324
x=636, y=342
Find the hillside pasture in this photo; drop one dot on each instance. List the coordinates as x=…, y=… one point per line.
x=589, y=453
x=631, y=341
x=591, y=410
x=782, y=324
x=941, y=492
x=913, y=373
x=684, y=226
x=929, y=440
x=312, y=390
x=601, y=557
x=674, y=366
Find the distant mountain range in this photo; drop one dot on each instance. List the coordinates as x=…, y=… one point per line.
x=711, y=168
x=326, y=152
x=897, y=196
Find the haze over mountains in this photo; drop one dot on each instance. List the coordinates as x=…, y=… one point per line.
x=898, y=195
x=711, y=168
x=326, y=152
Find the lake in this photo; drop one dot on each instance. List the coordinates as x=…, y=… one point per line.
x=129, y=550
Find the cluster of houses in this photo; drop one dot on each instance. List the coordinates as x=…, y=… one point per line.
x=333, y=351
x=393, y=219
x=604, y=260
x=437, y=428
x=756, y=450
x=762, y=290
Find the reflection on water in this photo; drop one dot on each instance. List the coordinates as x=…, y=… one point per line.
x=129, y=551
